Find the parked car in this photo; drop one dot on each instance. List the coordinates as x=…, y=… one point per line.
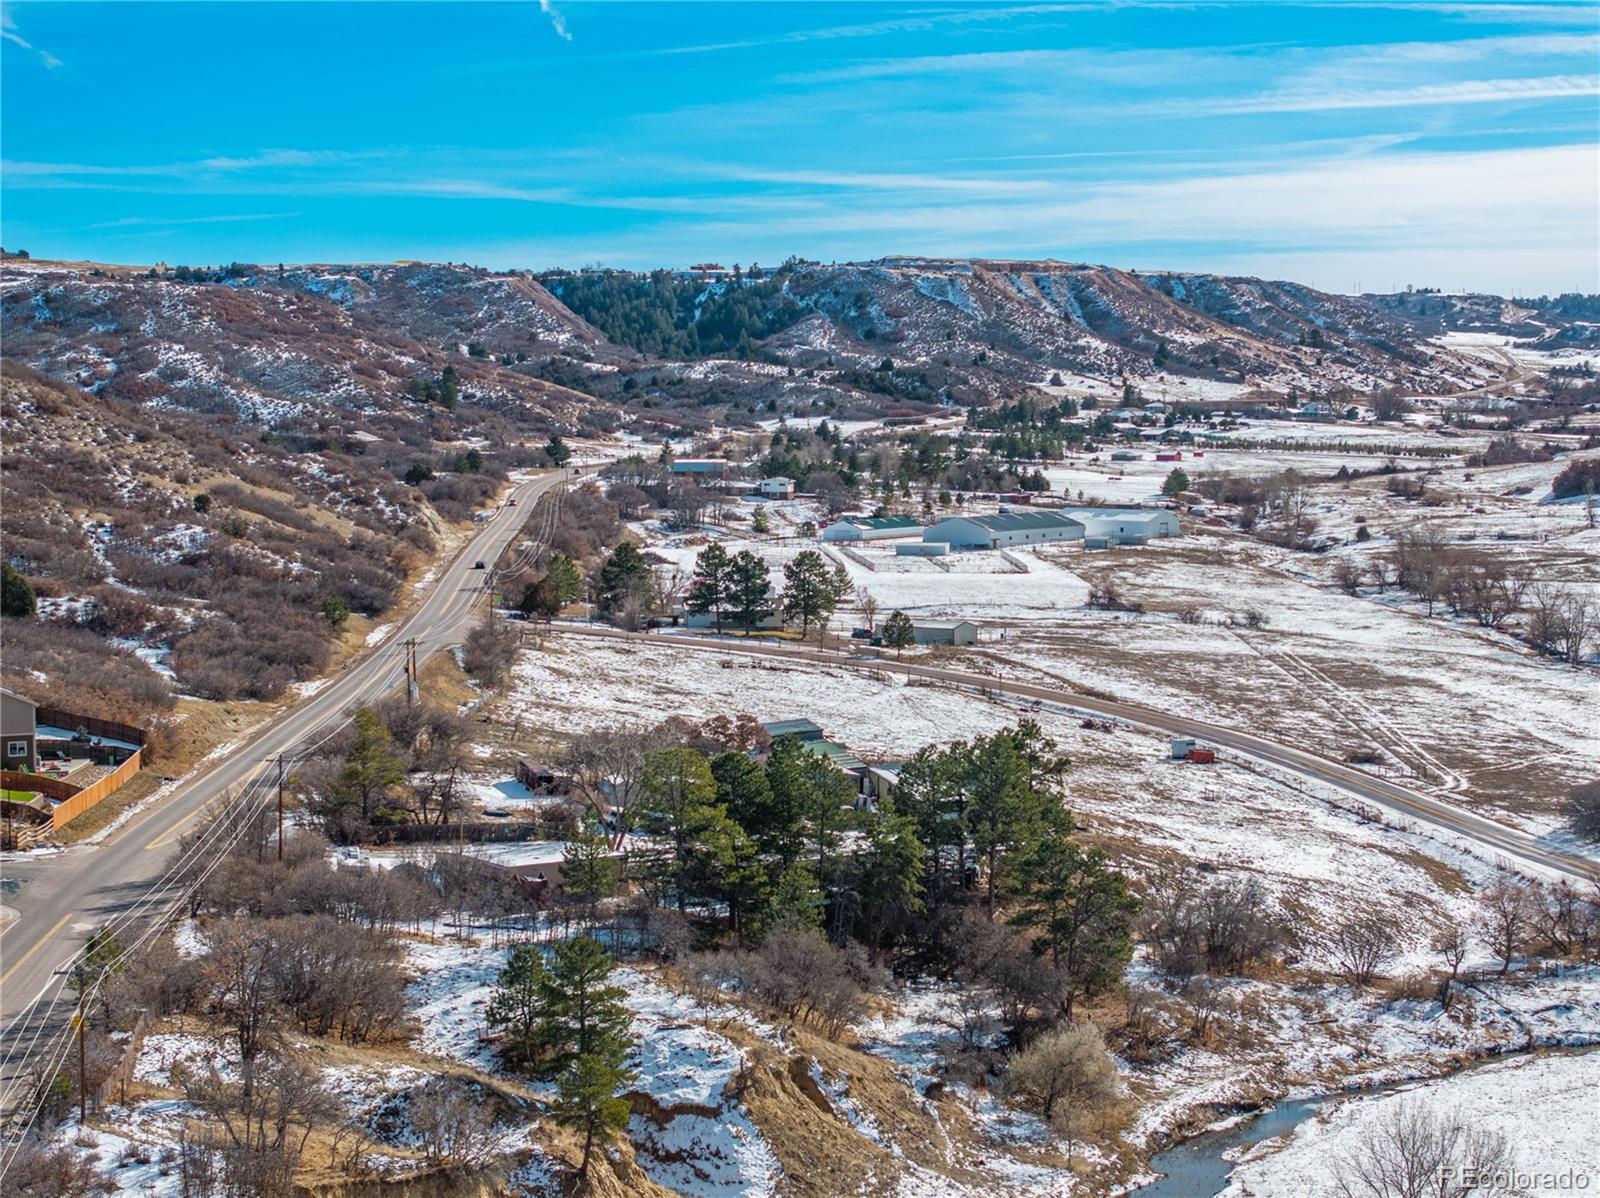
x=478, y=565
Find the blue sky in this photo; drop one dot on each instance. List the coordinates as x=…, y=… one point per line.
x=1338, y=144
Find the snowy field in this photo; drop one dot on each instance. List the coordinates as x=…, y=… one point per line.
x=1547, y=1107
x=1300, y=843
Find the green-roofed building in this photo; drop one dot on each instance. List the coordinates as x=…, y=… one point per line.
x=1005, y=530
x=871, y=528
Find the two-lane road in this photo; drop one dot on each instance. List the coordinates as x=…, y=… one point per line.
x=88, y=885
x=1488, y=835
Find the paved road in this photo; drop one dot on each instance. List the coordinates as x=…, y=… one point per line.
x=1496, y=838
x=88, y=885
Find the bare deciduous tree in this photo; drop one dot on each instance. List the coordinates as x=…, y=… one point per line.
x=1362, y=946
x=1411, y=1152
x=1065, y=1076
x=1504, y=916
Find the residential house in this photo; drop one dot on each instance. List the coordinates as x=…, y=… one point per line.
x=19, y=722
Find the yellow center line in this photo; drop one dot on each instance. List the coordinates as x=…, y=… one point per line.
x=37, y=944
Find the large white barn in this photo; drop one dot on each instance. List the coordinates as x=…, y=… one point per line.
x=1125, y=525
x=1005, y=530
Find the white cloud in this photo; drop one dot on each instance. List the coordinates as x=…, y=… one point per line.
x=557, y=21
x=1468, y=91
x=8, y=32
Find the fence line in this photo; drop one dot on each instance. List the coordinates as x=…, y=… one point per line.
x=95, y=792
x=55, y=717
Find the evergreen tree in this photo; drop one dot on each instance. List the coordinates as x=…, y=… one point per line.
x=563, y=573
x=622, y=576
x=840, y=585
x=17, y=600
x=713, y=581
x=829, y=794
x=371, y=767
x=796, y=897
x=587, y=1101
x=585, y=1022
x=102, y=957
x=750, y=588
x=743, y=791
x=541, y=600
x=515, y=1006
x=580, y=1013
x=588, y=870
x=888, y=881
x=760, y=522
x=556, y=450
x=899, y=633
x=1084, y=914
x=808, y=590
x=1177, y=482
x=780, y=830
x=1004, y=809
x=335, y=611
x=693, y=835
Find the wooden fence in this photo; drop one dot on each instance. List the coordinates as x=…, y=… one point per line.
x=116, y=1082
x=92, y=794
x=52, y=788
x=55, y=717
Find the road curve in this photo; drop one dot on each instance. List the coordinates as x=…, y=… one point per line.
x=89, y=884
x=1497, y=838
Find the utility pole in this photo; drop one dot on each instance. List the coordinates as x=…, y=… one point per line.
x=413, y=683
x=280, y=806
x=83, y=1073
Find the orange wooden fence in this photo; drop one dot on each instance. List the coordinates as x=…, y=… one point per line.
x=92, y=794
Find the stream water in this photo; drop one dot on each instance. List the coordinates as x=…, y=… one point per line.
x=1199, y=1166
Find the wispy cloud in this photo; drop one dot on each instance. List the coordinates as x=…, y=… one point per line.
x=8, y=32
x=143, y=222
x=1467, y=91
x=557, y=21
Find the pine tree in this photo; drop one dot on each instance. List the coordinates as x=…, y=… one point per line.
x=1177, y=482
x=1084, y=914
x=17, y=600
x=580, y=1013
x=888, y=879
x=541, y=600
x=808, y=590
x=796, y=897
x=750, y=588
x=899, y=633
x=743, y=791
x=779, y=831
x=623, y=574
x=515, y=1006
x=713, y=581
x=588, y=870
x=563, y=573
x=1004, y=810
x=587, y=1101
x=556, y=450
x=692, y=833
x=586, y=1023
x=760, y=522
x=371, y=767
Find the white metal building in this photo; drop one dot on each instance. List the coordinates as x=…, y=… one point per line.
x=871, y=528
x=945, y=632
x=1125, y=525
x=1005, y=530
